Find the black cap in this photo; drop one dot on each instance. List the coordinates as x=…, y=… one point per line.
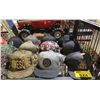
x=68, y=47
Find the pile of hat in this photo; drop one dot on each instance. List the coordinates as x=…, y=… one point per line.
x=42, y=57
x=22, y=60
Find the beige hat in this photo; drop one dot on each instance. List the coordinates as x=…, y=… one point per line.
x=21, y=64
x=29, y=46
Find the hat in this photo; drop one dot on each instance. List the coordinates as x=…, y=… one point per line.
x=29, y=46
x=49, y=64
x=33, y=39
x=21, y=64
x=75, y=62
x=39, y=35
x=68, y=47
x=63, y=39
x=50, y=45
x=48, y=37
x=15, y=41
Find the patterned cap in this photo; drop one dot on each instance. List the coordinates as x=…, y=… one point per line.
x=50, y=45
x=21, y=64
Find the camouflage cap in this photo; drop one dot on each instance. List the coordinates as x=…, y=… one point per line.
x=21, y=64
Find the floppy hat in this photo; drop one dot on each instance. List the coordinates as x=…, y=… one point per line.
x=50, y=45
x=49, y=64
x=21, y=64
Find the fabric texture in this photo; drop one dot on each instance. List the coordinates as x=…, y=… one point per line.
x=50, y=45
x=29, y=46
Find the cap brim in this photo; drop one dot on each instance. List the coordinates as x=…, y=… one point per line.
x=46, y=73
x=72, y=75
x=20, y=74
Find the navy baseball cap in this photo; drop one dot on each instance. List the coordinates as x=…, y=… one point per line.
x=63, y=39
x=15, y=41
x=68, y=47
x=48, y=37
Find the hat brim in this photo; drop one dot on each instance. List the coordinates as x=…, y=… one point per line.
x=20, y=74
x=46, y=73
x=72, y=75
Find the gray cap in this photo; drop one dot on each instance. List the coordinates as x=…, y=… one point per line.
x=69, y=45
x=66, y=38
x=33, y=39
x=30, y=47
x=49, y=63
x=75, y=55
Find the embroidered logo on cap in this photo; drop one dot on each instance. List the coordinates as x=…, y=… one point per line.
x=46, y=63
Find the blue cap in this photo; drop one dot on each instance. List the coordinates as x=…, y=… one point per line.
x=49, y=63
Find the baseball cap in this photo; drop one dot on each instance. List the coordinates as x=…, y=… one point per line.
x=21, y=64
x=63, y=39
x=75, y=62
x=48, y=37
x=49, y=64
x=68, y=47
x=32, y=38
x=50, y=45
x=15, y=41
x=29, y=46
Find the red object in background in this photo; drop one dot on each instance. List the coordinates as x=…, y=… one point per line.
x=2, y=41
x=37, y=24
x=53, y=27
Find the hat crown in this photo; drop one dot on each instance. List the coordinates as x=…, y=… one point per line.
x=29, y=46
x=21, y=60
x=50, y=45
x=33, y=39
x=53, y=59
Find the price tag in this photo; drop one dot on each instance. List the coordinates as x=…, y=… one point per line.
x=83, y=74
